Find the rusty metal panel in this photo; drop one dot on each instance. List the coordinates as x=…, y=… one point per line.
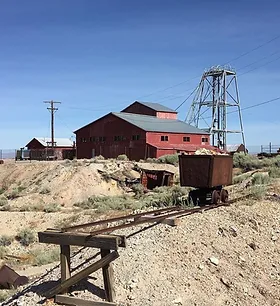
x=10, y=279
x=205, y=171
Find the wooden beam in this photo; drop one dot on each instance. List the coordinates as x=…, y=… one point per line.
x=110, y=242
x=68, y=300
x=65, y=263
x=82, y=274
x=108, y=277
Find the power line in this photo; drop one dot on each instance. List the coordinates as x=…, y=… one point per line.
x=248, y=70
x=251, y=106
x=232, y=60
x=260, y=66
x=252, y=50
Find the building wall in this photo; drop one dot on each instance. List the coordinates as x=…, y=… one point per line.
x=176, y=138
x=164, y=115
x=109, y=127
x=35, y=144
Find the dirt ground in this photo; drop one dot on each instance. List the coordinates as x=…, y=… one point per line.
x=227, y=256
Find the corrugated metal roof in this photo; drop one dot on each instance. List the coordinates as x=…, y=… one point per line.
x=233, y=147
x=60, y=142
x=154, y=124
x=157, y=107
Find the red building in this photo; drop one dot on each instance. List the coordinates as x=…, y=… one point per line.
x=41, y=148
x=140, y=131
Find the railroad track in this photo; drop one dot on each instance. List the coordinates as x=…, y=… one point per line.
x=167, y=215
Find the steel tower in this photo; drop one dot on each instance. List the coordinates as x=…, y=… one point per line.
x=215, y=94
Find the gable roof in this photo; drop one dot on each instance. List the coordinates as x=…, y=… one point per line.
x=60, y=142
x=155, y=106
x=154, y=124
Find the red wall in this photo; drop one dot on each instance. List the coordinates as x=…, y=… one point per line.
x=35, y=144
x=166, y=115
x=175, y=138
x=109, y=127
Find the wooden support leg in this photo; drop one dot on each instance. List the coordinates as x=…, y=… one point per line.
x=65, y=263
x=108, y=277
x=82, y=274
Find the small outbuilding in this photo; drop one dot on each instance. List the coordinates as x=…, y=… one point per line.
x=40, y=148
x=236, y=148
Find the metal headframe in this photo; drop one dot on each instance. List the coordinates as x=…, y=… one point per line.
x=217, y=91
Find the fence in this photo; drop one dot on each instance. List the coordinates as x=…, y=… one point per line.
x=270, y=148
x=7, y=154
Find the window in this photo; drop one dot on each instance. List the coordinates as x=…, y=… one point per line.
x=204, y=139
x=164, y=138
x=92, y=139
x=102, y=138
x=135, y=137
x=83, y=139
x=186, y=139
x=118, y=138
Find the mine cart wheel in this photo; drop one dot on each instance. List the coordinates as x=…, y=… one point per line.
x=224, y=196
x=215, y=197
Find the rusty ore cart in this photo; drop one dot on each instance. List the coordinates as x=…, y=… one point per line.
x=208, y=174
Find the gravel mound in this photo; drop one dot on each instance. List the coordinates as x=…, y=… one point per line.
x=226, y=256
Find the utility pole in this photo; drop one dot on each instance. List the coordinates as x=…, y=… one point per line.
x=52, y=110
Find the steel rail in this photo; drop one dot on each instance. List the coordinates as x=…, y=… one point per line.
x=180, y=213
x=125, y=217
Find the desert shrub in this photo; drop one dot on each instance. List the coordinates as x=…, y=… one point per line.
x=168, y=196
x=52, y=207
x=4, y=204
x=172, y=159
x=45, y=190
x=3, y=252
x=21, y=188
x=122, y=157
x=152, y=160
x=3, y=201
x=138, y=189
x=274, y=172
x=5, y=294
x=105, y=203
x=25, y=237
x=260, y=179
x=241, y=178
x=33, y=207
x=42, y=256
x=2, y=190
x=246, y=161
x=5, y=240
x=258, y=192
x=68, y=221
x=13, y=194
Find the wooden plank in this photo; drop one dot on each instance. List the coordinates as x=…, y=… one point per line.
x=108, y=278
x=172, y=221
x=82, y=239
x=82, y=274
x=65, y=263
x=68, y=300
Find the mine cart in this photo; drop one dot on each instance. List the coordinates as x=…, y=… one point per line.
x=208, y=174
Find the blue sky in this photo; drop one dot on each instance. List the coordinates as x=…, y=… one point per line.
x=99, y=56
